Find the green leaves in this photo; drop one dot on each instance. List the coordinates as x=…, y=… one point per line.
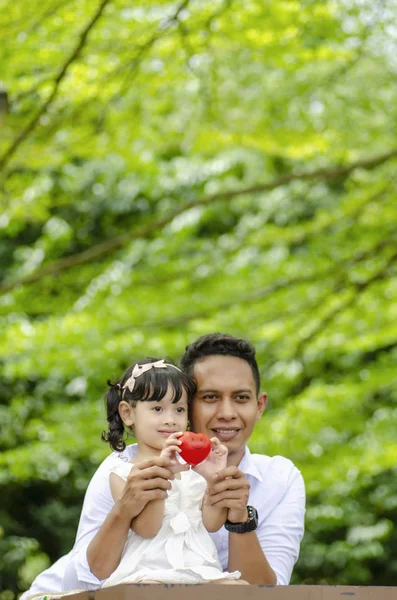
x=173, y=169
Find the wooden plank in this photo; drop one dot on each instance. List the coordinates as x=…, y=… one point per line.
x=237, y=592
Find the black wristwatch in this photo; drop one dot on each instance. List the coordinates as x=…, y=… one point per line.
x=250, y=525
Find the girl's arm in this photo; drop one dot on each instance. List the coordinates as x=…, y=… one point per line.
x=213, y=517
x=149, y=521
x=149, y=480
x=147, y=524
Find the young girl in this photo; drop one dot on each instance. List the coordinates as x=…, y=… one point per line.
x=169, y=540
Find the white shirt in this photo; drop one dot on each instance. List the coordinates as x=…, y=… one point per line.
x=277, y=492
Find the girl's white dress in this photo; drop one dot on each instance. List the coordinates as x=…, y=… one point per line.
x=182, y=551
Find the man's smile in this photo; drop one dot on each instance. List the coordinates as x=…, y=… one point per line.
x=224, y=434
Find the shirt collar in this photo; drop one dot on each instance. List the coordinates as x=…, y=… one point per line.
x=248, y=466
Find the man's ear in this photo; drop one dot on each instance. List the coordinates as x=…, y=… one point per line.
x=126, y=412
x=262, y=402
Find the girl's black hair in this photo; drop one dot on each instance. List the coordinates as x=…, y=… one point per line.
x=150, y=386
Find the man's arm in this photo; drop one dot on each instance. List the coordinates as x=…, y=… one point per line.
x=231, y=490
x=267, y=555
x=281, y=533
x=96, y=558
x=247, y=556
x=148, y=481
x=105, y=549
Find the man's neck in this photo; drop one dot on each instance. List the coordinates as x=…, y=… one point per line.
x=234, y=459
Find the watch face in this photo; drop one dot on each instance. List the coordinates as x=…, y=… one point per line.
x=253, y=515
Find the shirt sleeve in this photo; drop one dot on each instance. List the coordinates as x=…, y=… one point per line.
x=78, y=574
x=281, y=532
x=50, y=580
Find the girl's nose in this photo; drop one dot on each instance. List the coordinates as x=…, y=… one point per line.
x=169, y=419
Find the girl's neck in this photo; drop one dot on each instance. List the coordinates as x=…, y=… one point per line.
x=144, y=453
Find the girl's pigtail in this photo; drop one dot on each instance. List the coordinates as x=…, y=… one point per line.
x=115, y=435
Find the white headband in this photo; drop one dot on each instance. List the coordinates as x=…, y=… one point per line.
x=140, y=369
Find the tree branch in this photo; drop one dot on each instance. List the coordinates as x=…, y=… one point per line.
x=131, y=65
x=304, y=379
x=261, y=293
x=357, y=288
x=297, y=237
x=49, y=13
x=21, y=23
x=113, y=244
x=57, y=82
x=254, y=296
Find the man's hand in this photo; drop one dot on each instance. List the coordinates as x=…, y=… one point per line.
x=230, y=489
x=148, y=480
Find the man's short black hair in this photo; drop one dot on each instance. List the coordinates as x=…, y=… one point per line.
x=221, y=344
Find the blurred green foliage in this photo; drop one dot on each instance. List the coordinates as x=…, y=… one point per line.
x=171, y=169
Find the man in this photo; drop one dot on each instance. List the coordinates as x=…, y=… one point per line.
x=227, y=405
x=264, y=496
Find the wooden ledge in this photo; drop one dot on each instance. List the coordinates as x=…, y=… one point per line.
x=237, y=592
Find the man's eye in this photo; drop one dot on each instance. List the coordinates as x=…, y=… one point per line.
x=209, y=397
x=243, y=397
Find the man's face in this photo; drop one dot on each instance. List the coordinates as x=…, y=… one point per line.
x=226, y=404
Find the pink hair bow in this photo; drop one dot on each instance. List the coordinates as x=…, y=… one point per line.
x=140, y=369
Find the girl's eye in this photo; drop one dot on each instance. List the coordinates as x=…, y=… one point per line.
x=157, y=408
x=180, y=409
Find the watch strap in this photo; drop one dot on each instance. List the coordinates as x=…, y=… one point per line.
x=250, y=525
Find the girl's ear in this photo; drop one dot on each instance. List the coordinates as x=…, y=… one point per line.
x=126, y=412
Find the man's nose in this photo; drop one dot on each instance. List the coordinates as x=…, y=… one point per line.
x=226, y=409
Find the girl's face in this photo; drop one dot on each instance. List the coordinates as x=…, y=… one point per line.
x=153, y=421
